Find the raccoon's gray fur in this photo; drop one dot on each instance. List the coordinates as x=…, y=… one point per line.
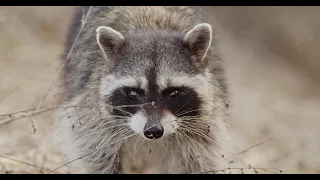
x=143, y=91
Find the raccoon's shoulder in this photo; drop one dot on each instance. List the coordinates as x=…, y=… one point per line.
x=178, y=18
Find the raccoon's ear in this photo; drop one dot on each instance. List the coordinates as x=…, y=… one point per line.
x=198, y=39
x=109, y=40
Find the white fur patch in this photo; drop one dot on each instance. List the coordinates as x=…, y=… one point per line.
x=169, y=123
x=111, y=83
x=144, y=83
x=138, y=122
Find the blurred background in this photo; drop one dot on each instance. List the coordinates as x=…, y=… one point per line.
x=271, y=56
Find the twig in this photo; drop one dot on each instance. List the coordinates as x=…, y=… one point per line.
x=68, y=55
x=32, y=124
x=22, y=162
x=271, y=170
x=11, y=118
x=249, y=148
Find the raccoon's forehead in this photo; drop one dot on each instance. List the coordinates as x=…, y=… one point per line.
x=158, y=51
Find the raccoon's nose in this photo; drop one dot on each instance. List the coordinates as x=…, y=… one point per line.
x=154, y=132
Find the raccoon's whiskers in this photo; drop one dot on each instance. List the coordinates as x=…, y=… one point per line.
x=84, y=125
x=195, y=123
x=122, y=132
x=93, y=130
x=105, y=129
x=180, y=138
x=204, y=111
x=192, y=119
x=201, y=118
x=119, y=109
x=188, y=111
x=185, y=104
x=192, y=122
x=116, y=121
x=106, y=140
x=102, y=147
x=195, y=131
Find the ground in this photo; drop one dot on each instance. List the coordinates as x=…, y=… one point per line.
x=271, y=57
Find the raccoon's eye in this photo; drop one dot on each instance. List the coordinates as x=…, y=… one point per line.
x=174, y=94
x=133, y=94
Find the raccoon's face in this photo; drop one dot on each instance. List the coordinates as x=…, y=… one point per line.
x=157, y=81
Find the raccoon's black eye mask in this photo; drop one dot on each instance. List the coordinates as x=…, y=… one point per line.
x=136, y=93
x=180, y=101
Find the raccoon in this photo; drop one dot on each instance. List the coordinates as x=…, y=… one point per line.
x=143, y=92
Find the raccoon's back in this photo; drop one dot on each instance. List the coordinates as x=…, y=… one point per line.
x=127, y=18
x=177, y=18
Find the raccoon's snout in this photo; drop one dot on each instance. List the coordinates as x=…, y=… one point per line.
x=153, y=132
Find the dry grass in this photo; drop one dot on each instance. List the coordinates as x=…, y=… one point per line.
x=30, y=46
x=272, y=58
x=272, y=64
